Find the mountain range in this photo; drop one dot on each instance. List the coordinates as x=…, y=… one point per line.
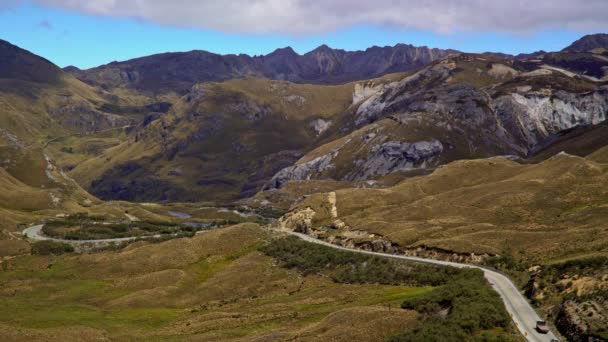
x=434, y=152
x=323, y=65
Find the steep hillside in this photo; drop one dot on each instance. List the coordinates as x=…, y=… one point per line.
x=581, y=141
x=41, y=106
x=223, y=141
x=179, y=71
x=462, y=107
x=543, y=223
x=22, y=65
x=588, y=43
x=220, y=141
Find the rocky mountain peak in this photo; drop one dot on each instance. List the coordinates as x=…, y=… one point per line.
x=283, y=52
x=322, y=49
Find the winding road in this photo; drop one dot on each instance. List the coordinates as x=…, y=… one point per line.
x=522, y=313
x=35, y=233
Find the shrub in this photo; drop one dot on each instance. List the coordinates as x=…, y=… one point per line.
x=473, y=307
x=353, y=268
x=48, y=247
x=471, y=304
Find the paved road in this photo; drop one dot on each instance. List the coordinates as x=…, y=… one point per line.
x=516, y=304
x=35, y=233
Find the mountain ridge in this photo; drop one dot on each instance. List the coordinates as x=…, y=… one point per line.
x=20, y=64
x=178, y=71
x=434, y=162
x=589, y=42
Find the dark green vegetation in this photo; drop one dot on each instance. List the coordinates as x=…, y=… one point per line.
x=463, y=307
x=583, y=63
x=84, y=227
x=49, y=247
x=355, y=268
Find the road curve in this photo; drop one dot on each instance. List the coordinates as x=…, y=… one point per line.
x=35, y=233
x=521, y=311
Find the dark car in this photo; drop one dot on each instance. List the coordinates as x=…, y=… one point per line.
x=541, y=327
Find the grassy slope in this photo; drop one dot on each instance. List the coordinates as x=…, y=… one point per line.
x=487, y=206
x=220, y=125
x=213, y=286
x=548, y=214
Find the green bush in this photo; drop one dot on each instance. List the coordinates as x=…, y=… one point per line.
x=48, y=247
x=472, y=307
x=66, y=149
x=354, y=268
x=92, y=228
x=273, y=213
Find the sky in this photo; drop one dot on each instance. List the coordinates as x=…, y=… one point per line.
x=88, y=33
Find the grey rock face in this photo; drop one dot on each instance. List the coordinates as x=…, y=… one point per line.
x=396, y=156
x=302, y=171
x=197, y=92
x=514, y=123
x=398, y=95
x=533, y=117
x=252, y=111
x=79, y=116
x=295, y=100
x=320, y=125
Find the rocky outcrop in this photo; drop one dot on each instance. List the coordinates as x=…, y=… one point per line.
x=295, y=100
x=363, y=91
x=398, y=96
x=320, y=125
x=582, y=321
x=396, y=156
x=427, y=118
x=197, y=93
x=78, y=116
x=251, y=110
x=298, y=221
x=532, y=117
x=531, y=287
x=302, y=171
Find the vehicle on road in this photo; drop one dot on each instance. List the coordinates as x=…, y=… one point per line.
x=521, y=311
x=542, y=327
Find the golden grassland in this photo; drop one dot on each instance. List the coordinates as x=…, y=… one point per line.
x=214, y=286
x=535, y=212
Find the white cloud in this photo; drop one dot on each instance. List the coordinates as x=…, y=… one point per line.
x=318, y=16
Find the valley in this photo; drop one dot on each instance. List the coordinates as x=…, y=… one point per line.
x=158, y=198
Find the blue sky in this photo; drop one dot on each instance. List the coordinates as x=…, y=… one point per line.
x=86, y=39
